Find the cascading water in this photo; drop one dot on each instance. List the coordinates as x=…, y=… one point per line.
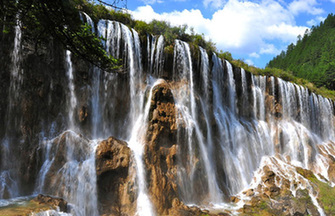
x=137, y=143
x=117, y=35
x=69, y=172
x=69, y=168
x=72, y=100
x=186, y=104
x=8, y=168
x=88, y=20
x=230, y=123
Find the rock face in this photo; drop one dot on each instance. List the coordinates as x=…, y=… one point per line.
x=161, y=155
x=115, y=178
x=52, y=201
x=160, y=152
x=284, y=189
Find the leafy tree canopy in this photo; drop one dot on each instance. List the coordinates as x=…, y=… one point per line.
x=42, y=19
x=313, y=56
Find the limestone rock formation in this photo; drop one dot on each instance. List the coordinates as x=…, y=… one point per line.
x=161, y=155
x=52, y=201
x=115, y=178
x=33, y=206
x=161, y=149
x=285, y=189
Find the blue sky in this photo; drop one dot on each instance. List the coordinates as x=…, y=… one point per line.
x=252, y=30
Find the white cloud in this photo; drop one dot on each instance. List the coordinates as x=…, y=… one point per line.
x=240, y=27
x=214, y=3
x=285, y=32
x=254, y=55
x=305, y=6
x=193, y=18
x=316, y=21
x=249, y=62
x=150, y=2
x=270, y=49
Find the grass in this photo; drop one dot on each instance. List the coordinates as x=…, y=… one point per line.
x=326, y=193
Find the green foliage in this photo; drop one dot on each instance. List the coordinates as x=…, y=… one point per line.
x=99, y=11
x=285, y=75
x=171, y=33
x=42, y=20
x=326, y=193
x=226, y=55
x=313, y=56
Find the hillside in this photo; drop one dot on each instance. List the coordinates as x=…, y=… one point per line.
x=313, y=56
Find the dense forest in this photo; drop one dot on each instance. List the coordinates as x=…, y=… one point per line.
x=313, y=56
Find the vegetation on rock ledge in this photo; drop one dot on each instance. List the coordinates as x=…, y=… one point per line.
x=59, y=19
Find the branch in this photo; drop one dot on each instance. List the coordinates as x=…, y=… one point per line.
x=113, y=5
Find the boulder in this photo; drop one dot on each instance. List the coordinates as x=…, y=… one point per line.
x=52, y=201
x=115, y=178
x=112, y=154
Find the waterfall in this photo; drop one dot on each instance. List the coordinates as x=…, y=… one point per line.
x=155, y=52
x=72, y=100
x=120, y=35
x=245, y=93
x=137, y=143
x=186, y=104
x=89, y=21
x=231, y=87
x=230, y=123
x=8, y=170
x=159, y=60
x=69, y=171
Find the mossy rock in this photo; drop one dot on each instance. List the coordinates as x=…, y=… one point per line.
x=30, y=205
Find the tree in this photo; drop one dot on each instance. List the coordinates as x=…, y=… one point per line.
x=59, y=19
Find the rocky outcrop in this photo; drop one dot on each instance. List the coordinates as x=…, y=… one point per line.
x=59, y=203
x=41, y=203
x=161, y=155
x=115, y=178
x=161, y=149
x=284, y=189
x=64, y=148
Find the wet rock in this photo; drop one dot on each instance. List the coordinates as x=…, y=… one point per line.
x=115, y=178
x=273, y=196
x=83, y=114
x=33, y=206
x=161, y=149
x=66, y=142
x=234, y=199
x=249, y=192
x=179, y=208
x=52, y=201
x=112, y=154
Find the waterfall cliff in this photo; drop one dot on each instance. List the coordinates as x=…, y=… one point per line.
x=196, y=130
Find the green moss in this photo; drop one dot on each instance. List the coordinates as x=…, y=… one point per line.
x=326, y=193
x=263, y=208
x=24, y=208
x=326, y=197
